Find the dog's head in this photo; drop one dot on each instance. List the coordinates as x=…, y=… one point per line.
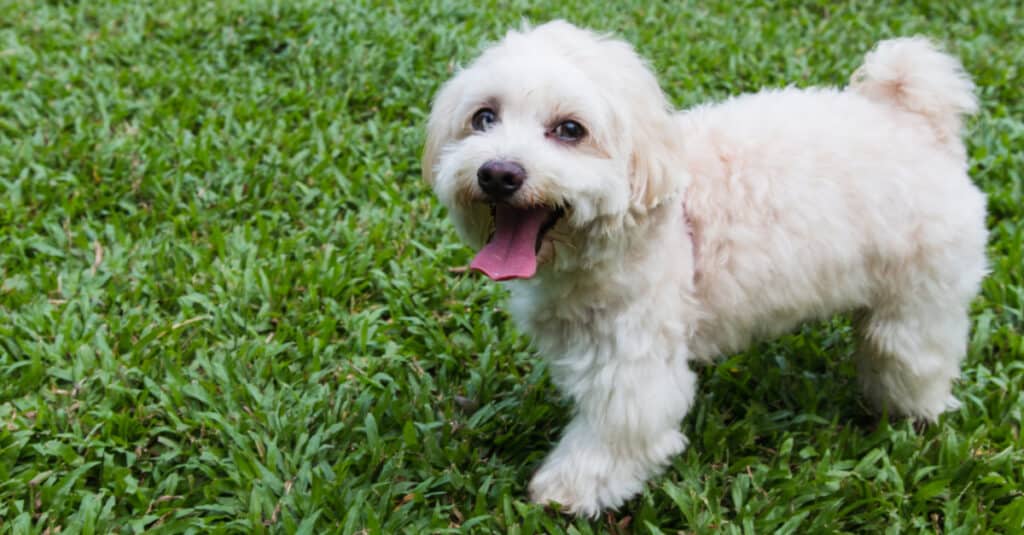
x=550, y=137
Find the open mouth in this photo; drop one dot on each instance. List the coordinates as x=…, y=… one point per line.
x=511, y=251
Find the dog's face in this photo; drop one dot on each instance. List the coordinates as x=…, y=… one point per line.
x=551, y=134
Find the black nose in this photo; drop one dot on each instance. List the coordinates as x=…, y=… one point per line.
x=500, y=178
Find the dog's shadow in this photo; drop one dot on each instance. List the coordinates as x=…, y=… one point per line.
x=519, y=425
x=800, y=379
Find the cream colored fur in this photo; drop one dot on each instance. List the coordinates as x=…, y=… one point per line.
x=692, y=234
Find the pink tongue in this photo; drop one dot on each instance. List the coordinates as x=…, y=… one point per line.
x=510, y=254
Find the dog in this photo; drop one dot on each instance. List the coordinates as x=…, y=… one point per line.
x=637, y=239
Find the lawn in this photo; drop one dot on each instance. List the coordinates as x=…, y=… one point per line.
x=228, y=302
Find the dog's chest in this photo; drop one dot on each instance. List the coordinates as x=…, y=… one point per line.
x=586, y=328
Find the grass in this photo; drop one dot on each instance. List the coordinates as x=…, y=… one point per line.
x=226, y=305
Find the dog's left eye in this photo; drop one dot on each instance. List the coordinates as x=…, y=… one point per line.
x=569, y=131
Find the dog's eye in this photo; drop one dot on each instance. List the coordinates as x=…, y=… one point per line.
x=484, y=119
x=569, y=131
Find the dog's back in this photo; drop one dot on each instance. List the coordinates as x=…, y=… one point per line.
x=804, y=203
x=808, y=202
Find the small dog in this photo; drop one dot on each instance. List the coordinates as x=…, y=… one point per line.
x=638, y=239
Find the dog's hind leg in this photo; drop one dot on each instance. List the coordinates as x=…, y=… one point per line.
x=913, y=341
x=910, y=355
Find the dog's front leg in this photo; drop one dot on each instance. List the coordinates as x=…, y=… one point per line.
x=625, y=431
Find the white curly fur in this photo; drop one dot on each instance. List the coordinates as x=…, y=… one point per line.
x=692, y=234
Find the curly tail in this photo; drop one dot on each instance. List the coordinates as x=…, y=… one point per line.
x=913, y=74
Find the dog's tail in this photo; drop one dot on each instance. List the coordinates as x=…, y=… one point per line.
x=913, y=74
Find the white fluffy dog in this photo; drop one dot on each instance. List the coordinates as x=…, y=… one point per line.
x=639, y=239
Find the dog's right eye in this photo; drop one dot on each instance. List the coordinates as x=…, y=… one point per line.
x=484, y=119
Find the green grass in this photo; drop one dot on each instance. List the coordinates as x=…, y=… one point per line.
x=226, y=304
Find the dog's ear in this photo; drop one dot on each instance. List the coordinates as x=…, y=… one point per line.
x=441, y=127
x=651, y=130
x=657, y=169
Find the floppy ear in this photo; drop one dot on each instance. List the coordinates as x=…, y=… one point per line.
x=643, y=115
x=441, y=127
x=657, y=170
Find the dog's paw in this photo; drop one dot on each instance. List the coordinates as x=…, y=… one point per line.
x=586, y=480
x=571, y=489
